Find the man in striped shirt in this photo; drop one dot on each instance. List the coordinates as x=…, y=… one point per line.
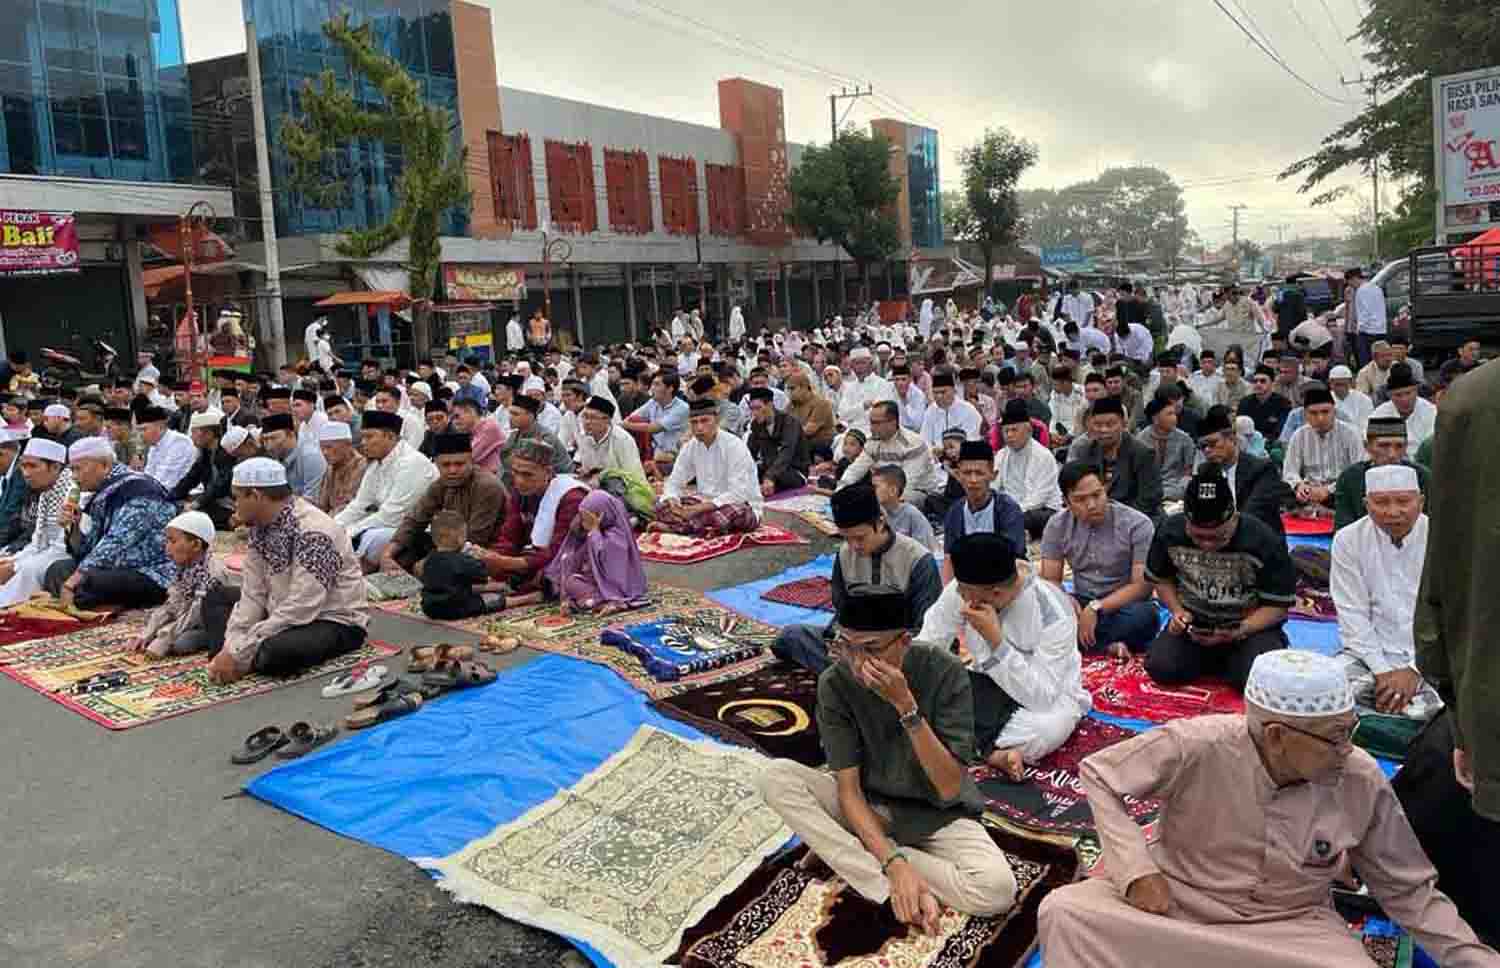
x=1319, y=451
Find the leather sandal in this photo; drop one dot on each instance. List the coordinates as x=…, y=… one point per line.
x=390, y=709
x=258, y=745
x=304, y=737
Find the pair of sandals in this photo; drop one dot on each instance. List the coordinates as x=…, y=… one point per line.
x=301, y=738
x=407, y=694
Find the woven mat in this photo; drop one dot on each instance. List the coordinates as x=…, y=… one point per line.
x=805, y=592
x=156, y=689
x=1124, y=689
x=681, y=549
x=793, y=911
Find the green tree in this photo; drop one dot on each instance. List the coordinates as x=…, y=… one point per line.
x=1135, y=208
x=432, y=177
x=956, y=216
x=845, y=193
x=991, y=168
x=1409, y=42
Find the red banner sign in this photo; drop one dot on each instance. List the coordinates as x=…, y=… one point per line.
x=37, y=243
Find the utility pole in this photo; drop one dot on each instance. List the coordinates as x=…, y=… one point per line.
x=844, y=94
x=1374, y=93
x=1234, y=247
x=1280, y=231
x=276, y=326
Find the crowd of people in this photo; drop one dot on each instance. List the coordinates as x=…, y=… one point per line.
x=1014, y=490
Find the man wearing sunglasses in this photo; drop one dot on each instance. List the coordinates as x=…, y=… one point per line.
x=1257, y=489
x=1260, y=814
x=1264, y=405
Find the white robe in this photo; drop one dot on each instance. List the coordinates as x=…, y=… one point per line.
x=48, y=544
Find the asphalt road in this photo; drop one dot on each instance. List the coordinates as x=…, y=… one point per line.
x=136, y=849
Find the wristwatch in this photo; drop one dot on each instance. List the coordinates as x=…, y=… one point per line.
x=1096, y=606
x=910, y=720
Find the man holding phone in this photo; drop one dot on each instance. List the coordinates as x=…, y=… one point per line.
x=1226, y=579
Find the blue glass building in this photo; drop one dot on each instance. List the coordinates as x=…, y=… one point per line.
x=94, y=88
x=293, y=52
x=926, y=192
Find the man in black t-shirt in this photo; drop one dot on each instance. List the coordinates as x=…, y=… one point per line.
x=1227, y=581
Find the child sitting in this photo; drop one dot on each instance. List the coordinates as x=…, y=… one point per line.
x=176, y=628
x=903, y=518
x=827, y=474
x=454, y=583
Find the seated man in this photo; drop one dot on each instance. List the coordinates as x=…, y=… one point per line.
x=469, y=491
x=1260, y=814
x=1027, y=471
x=604, y=445
x=211, y=471
x=42, y=539
x=1227, y=582
x=1264, y=405
x=468, y=417
x=523, y=426
x=982, y=508
x=346, y=467
x=872, y=554
x=396, y=477
x=301, y=599
x=538, y=515
x=1320, y=451
x=1257, y=489
x=302, y=459
x=1174, y=450
x=890, y=483
x=728, y=498
x=776, y=445
x=897, y=818
x=1129, y=467
x=1026, y=674
x=170, y=453
x=1385, y=445
x=121, y=558
x=889, y=443
x=663, y=418
x=1377, y=568
x=1106, y=543
x=1406, y=403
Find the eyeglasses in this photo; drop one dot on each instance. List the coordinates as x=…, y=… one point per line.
x=1345, y=737
x=843, y=645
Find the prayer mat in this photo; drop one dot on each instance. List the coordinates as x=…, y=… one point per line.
x=636, y=852
x=381, y=587
x=794, y=911
x=1051, y=798
x=1124, y=689
x=773, y=709
x=685, y=644
x=811, y=508
x=1313, y=603
x=806, y=593
x=1313, y=565
x=1296, y=524
x=43, y=619
x=1386, y=736
x=149, y=689
x=681, y=549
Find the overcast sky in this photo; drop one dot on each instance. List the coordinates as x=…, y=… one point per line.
x=1172, y=83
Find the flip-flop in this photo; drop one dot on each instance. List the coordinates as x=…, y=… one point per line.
x=390, y=709
x=459, y=675
x=304, y=737
x=497, y=645
x=427, y=657
x=361, y=678
x=258, y=745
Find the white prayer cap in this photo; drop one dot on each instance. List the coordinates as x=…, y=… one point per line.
x=335, y=430
x=833, y=367
x=422, y=388
x=259, y=472
x=533, y=383
x=1392, y=477
x=46, y=450
x=208, y=418
x=8, y=436
x=1341, y=372
x=1291, y=682
x=859, y=353
x=233, y=437
x=56, y=410
x=86, y=447
x=197, y=524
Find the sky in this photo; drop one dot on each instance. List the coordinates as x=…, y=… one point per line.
x=1171, y=83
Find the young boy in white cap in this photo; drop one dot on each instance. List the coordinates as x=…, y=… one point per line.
x=176, y=628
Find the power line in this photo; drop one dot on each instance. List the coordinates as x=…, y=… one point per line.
x=1353, y=57
x=1277, y=59
x=1313, y=37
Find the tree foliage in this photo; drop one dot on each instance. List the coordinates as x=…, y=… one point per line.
x=432, y=178
x=1136, y=208
x=845, y=193
x=991, y=215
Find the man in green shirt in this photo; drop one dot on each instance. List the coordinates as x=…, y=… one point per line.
x=1385, y=442
x=896, y=817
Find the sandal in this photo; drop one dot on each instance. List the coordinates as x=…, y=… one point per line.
x=497, y=645
x=390, y=709
x=459, y=675
x=361, y=678
x=427, y=657
x=304, y=737
x=258, y=745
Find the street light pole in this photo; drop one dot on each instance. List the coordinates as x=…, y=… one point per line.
x=564, y=251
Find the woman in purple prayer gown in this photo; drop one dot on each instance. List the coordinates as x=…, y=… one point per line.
x=599, y=566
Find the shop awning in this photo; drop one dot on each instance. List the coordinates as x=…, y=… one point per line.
x=368, y=298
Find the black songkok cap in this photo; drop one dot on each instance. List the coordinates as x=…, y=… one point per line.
x=283, y=421
x=1218, y=420
x=306, y=396
x=875, y=608
x=976, y=450
x=1015, y=413
x=1105, y=405
x=1208, y=502
x=334, y=400
x=435, y=406
x=984, y=558
x=600, y=405
x=149, y=414
x=703, y=405
x=704, y=385
x=123, y=415
x=276, y=393
x=367, y=387
x=530, y=404
x=379, y=420
x=944, y=379
x=763, y=394
x=1313, y=396
x=451, y=444
x=855, y=505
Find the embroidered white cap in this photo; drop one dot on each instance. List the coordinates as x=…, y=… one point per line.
x=1392, y=477
x=197, y=524
x=1341, y=372
x=56, y=410
x=1291, y=682
x=534, y=383
x=335, y=430
x=86, y=447
x=860, y=353
x=208, y=418
x=8, y=436
x=233, y=437
x=422, y=388
x=259, y=472
x=46, y=450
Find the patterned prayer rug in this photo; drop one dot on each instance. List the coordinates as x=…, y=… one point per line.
x=773, y=709
x=682, y=549
x=1313, y=603
x=150, y=689
x=793, y=911
x=684, y=645
x=29, y=622
x=1296, y=524
x=1051, y=797
x=810, y=508
x=806, y=593
x=630, y=856
x=1124, y=689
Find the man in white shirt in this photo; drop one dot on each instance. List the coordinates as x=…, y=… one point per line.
x=396, y=477
x=1369, y=314
x=1027, y=471
x=1375, y=574
x=1023, y=639
x=595, y=377
x=413, y=426
x=515, y=336
x=947, y=412
x=171, y=453
x=728, y=498
x=1319, y=451
x=1078, y=306
x=861, y=390
x=1407, y=404
x=1206, y=381
x=1068, y=406
x=605, y=445
x=890, y=443
x=1353, y=406
x=909, y=397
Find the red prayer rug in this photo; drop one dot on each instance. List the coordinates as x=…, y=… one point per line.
x=28, y=624
x=815, y=592
x=1124, y=689
x=1296, y=524
x=1051, y=798
x=681, y=549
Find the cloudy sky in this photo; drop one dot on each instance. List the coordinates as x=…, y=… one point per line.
x=1172, y=83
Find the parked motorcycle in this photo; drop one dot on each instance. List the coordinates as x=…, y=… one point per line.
x=66, y=370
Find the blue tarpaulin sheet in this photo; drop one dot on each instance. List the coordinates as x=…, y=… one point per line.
x=746, y=599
